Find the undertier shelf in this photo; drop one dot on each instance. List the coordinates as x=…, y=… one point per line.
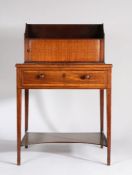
x=38, y=138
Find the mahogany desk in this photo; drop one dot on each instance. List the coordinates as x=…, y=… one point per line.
x=64, y=57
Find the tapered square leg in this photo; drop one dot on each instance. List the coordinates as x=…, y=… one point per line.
x=19, y=104
x=108, y=94
x=26, y=111
x=101, y=115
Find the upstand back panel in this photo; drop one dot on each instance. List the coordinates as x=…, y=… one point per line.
x=64, y=57
x=64, y=43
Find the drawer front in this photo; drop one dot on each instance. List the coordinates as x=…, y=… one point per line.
x=63, y=79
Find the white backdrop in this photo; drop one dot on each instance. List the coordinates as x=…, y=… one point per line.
x=67, y=110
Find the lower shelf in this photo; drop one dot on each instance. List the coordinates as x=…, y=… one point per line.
x=38, y=138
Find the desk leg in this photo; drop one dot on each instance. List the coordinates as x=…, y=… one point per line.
x=101, y=115
x=26, y=111
x=19, y=103
x=108, y=93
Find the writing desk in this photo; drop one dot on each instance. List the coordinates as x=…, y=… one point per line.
x=64, y=57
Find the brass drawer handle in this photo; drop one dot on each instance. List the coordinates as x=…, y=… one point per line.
x=85, y=77
x=41, y=76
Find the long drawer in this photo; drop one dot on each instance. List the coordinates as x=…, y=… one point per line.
x=63, y=77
